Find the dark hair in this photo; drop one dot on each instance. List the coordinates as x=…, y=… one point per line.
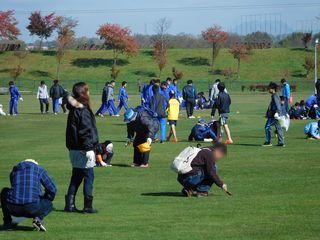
x=220, y=147
x=171, y=94
x=273, y=85
x=152, y=81
x=112, y=81
x=175, y=80
x=11, y=83
x=296, y=104
x=157, y=81
x=168, y=79
x=80, y=93
x=283, y=80
x=42, y=82
x=155, y=88
x=124, y=83
x=107, y=83
x=281, y=98
x=189, y=82
x=221, y=87
x=55, y=82
x=302, y=102
x=218, y=80
x=164, y=83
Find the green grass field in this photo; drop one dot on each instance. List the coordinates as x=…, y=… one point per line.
x=94, y=67
x=276, y=190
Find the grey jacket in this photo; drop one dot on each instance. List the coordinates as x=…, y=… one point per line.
x=110, y=95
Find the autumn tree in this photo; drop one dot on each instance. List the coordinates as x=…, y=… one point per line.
x=42, y=26
x=66, y=36
x=306, y=39
x=216, y=37
x=18, y=69
x=239, y=52
x=8, y=25
x=160, y=43
x=120, y=41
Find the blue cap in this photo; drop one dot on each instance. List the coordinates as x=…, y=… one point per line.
x=202, y=121
x=129, y=115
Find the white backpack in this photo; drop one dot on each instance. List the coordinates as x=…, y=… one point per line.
x=182, y=163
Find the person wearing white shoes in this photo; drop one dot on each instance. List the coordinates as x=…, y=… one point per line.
x=43, y=97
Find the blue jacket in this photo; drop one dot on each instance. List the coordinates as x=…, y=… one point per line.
x=312, y=129
x=27, y=179
x=165, y=92
x=14, y=92
x=159, y=105
x=147, y=93
x=274, y=106
x=123, y=96
x=175, y=89
x=312, y=100
x=286, y=91
x=200, y=132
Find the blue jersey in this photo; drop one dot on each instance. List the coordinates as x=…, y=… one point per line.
x=312, y=100
x=312, y=129
x=286, y=91
x=14, y=92
x=123, y=96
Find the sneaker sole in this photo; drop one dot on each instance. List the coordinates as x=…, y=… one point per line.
x=40, y=228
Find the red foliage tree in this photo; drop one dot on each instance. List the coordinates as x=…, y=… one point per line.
x=215, y=36
x=119, y=40
x=42, y=26
x=8, y=25
x=160, y=55
x=239, y=52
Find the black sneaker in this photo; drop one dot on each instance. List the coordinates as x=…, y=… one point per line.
x=37, y=224
x=186, y=192
x=267, y=144
x=281, y=145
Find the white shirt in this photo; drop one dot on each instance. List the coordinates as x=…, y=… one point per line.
x=42, y=92
x=215, y=91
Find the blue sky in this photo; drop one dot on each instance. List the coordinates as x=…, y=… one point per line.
x=143, y=22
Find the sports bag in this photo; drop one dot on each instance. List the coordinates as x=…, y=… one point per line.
x=182, y=163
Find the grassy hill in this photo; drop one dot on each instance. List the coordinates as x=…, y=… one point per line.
x=94, y=67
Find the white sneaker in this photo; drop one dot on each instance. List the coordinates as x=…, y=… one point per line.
x=192, y=117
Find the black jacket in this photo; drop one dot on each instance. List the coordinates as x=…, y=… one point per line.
x=159, y=104
x=56, y=91
x=145, y=126
x=105, y=94
x=189, y=93
x=223, y=102
x=81, y=133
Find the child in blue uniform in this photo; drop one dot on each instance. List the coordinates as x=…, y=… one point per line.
x=123, y=96
x=14, y=98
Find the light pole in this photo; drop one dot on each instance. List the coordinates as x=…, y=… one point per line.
x=316, y=62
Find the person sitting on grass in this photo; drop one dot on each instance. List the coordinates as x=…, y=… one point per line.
x=104, y=154
x=173, y=116
x=296, y=112
x=273, y=111
x=25, y=197
x=142, y=127
x=223, y=103
x=202, y=132
x=204, y=172
x=312, y=130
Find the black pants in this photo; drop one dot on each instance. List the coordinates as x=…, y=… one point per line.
x=31, y=210
x=79, y=175
x=213, y=110
x=189, y=107
x=44, y=101
x=140, y=158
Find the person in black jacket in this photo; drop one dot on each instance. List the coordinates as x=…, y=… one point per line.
x=204, y=171
x=104, y=101
x=189, y=94
x=81, y=141
x=223, y=103
x=159, y=104
x=56, y=92
x=142, y=126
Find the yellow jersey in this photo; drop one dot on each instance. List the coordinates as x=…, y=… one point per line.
x=173, y=109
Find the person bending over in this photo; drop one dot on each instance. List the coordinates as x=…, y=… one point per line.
x=202, y=132
x=25, y=197
x=141, y=128
x=312, y=130
x=204, y=172
x=104, y=154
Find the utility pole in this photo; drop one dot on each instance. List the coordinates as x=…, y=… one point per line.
x=316, y=62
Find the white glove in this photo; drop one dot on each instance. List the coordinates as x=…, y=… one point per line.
x=21, y=99
x=149, y=140
x=225, y=187
x=103, y=164
x=315, y=106
x=276, y=115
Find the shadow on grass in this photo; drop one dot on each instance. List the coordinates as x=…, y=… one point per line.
x=38, y=73
x=144, y=73
x=147, y=52
x=97, y=62
x=194, y=61
x=301, y=49
x=163, y=194
x=247, y=144
x=18, y=228
x=298, y=74
x=121, y=165
x=5, y=70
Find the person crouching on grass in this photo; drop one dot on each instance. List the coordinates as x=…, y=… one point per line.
x=25, y=199
x=312, y=130
x=104, y=154
x=81, y=141
x=173, y=116
x=204, y=171
x=273, y=111
x=141, y=129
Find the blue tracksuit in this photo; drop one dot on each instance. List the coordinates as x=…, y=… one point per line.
x=146, y=95
x=176, y=91
x=14, y=99
x=123, y=98
x=312, y=130
x=200, y=132
x=286, y=92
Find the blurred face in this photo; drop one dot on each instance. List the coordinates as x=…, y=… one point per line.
x=218, y=154
x=113, y=84
x=271, y=91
